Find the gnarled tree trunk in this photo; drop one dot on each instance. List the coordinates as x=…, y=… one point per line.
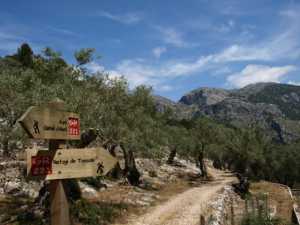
x=172, y=155
x=201, y=164
x=5, y=143
x=87, y=137
x=116, y=172
x=130, y=171
x=217, y=164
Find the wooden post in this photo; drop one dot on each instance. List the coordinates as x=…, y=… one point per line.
x=59, y=207
x=232, y=212
x=53, y=123
x=253, y=206
x=267, y=210
x=202, y=220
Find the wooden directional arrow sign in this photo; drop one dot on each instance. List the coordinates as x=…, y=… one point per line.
x=69, y=163
x=45, y=122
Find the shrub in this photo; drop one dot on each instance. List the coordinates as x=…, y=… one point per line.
x=96, y=213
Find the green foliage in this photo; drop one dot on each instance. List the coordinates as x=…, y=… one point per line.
x=72, y=188
x=259, y=220
x=96, y=213
x=103, y=103
x=283, y=164
x=28, y=218
x=130, y=118
x=19, y=211
x=274, y=94
x=259, y=214
x=84, y=55
x=25, y=55
x=50, y=53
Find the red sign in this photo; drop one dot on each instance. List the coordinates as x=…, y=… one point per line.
x=73, y=126
x=41, y=165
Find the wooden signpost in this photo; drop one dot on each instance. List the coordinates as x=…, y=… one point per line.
x=52, y=123
x=69, y=163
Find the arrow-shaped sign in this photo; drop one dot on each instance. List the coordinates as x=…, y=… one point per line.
x=69, y=163
x=45, y=122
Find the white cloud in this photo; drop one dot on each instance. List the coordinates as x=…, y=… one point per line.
x=166, y=88
x=128, y=18
x=133, y=70
x=158, y=51
x=281, y=45
x=294, y=83
x=139, y=71
x=259, y=73
x=95, y=67
x=175, y=69
x=172, y=36
x=284, y=45
x=64, y=31
x=222, y=71
x=226, y=27
x=242, y=53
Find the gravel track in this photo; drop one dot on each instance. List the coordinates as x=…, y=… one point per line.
x=184, y=208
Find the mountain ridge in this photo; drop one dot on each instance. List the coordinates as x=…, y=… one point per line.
x=274, y=107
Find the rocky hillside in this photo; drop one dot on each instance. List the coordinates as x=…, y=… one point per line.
x=275, y=107
x=180, y=110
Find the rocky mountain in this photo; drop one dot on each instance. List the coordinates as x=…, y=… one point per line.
x=275, y=107
x=180, y=110
x=205, y=96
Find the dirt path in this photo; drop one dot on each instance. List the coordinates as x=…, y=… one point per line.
x=185, y=208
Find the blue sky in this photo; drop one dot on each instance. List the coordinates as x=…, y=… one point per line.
x=172, y=45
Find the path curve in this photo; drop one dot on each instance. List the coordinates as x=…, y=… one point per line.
x=184, y=208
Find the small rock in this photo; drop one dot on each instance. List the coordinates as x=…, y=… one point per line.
x=24, y=207
x=38, y=213
x=142, y=203
x=11, y=187
x=31, y=193
x=172, y=178
x=87, y=191
x=102, y=189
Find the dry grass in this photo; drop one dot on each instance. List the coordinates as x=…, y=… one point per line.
x=278, y=197
x=17, y=211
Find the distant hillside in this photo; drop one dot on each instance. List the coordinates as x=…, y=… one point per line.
x=181, y=111
x=286, y=97
x=274, y=107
